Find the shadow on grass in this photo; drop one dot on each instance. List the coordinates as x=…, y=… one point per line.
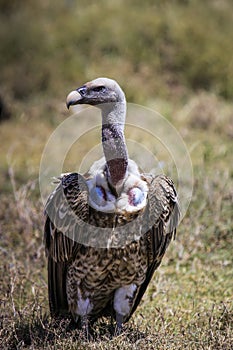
x=44, y=332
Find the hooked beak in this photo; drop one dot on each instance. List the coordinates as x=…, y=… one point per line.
x=75, y=97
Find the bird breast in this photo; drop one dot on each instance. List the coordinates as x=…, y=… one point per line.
x=132, y=197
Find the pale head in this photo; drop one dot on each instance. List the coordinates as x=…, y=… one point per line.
x=96, y=92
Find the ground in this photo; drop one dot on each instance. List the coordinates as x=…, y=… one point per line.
x=188, y=304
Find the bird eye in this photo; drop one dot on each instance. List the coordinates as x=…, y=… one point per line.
x=99, y=89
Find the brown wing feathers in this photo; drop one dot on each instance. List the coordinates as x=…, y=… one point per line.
x=162, y=205
x=66, y=206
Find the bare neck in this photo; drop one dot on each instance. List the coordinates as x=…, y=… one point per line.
x=113, y=141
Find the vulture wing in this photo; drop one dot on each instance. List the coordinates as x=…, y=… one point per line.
x=162, y=216
x=66, y=211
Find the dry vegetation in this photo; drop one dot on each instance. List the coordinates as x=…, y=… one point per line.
x=189, y=303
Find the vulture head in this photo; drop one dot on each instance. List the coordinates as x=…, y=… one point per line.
x=97, y=92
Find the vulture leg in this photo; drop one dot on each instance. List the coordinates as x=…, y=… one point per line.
x=123, y=301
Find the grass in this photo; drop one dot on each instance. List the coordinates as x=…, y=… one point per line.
x=189, y=301
x=174, y=57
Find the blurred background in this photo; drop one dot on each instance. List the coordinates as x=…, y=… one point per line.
x=165, y=54
x=164, y=47
x=173, y=56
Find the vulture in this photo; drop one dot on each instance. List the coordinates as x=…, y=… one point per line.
x=106, y=231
